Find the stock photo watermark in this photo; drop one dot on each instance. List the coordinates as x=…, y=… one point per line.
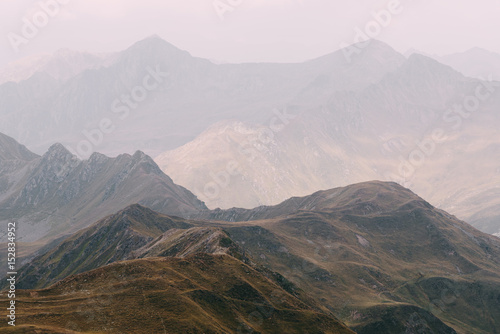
x=224, y=7
x=453, y=117
x=250, y=150
x=33, y=24
x=11, y=272
x=121, y=107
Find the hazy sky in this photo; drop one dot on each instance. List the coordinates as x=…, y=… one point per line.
x=251, y=30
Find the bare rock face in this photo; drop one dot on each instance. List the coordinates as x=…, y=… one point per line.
x=58, y=193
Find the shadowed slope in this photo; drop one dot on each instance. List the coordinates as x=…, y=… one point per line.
x=364, y=246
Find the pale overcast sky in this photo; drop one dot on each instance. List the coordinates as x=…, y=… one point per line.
x=254, y=30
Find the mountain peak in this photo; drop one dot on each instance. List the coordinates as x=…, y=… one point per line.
x=155, y=44
x=132, y=214
x=374, y=48
x=58, y=150
x=135, y=210
x=385, y=196
x=96, y=157
x=418, y=65
x=139, y=155
x=362, y=51
x=144, y=160
x=154, y=37
x=374, y=44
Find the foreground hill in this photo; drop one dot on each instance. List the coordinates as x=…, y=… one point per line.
x=370, y=249
x=377, y=255
x=201, y=293
x=134, y=232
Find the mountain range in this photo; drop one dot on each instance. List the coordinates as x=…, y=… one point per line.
x=281, y=130
x=42, y=110
x=353, y=138
x=279, y=161
x=374, y=255
x=57, y=194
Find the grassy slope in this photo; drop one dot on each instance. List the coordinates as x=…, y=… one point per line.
x=365, y=252
x=199, y=294
x=368, y=247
